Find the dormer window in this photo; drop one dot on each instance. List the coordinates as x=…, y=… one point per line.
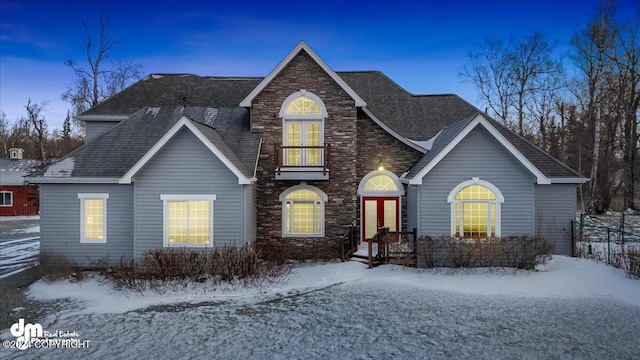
x=15, y=153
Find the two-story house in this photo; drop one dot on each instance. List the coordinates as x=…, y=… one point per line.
x=288, y=160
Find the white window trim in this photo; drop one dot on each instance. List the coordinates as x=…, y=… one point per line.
x=303, y=119
x=499, y=200
x=10, y=198
x=166, y=198
x=93, y=196
x=284, y=201
x=363, y=182
x=310, y=95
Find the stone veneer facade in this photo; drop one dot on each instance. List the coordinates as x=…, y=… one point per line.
x=358, y=146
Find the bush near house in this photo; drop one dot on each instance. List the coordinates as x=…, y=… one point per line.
x=160, y=267
x=520, y=252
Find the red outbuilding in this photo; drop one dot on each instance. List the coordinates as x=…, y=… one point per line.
x=17, y=199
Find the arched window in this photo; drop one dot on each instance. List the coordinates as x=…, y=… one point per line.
x=380, y=183
x=303, y=211
x=302, y=105
x=303, y=115
x=475, y=209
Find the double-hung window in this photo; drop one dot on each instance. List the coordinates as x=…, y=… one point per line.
x=188, y=220
x=93, y=217
x=6, y=198
x=303, y=211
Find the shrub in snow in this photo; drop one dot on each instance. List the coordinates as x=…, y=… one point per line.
x=622, y=256
x=521, y=252
x=54, y=266
x=159, y=267
x=633, y=263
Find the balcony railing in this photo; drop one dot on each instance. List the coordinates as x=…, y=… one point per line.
x=302, y=158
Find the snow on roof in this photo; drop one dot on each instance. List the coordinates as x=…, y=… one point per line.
x=210, y=115
x=12, y=171
x=153, y=111
x=62, y=168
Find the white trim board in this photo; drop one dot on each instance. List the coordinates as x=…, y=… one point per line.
x=102, y=117
x=71, y=180
x=479, y=120
x=302, y=46
x=183, y=122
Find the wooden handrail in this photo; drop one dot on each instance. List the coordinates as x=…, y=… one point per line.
x=348, y=239
x=382, y=239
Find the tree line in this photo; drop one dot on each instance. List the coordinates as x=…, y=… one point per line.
x=586, y=114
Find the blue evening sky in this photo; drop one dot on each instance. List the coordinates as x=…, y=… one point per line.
x=422, y=45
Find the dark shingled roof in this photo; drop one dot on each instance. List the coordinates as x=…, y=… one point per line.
x=214, y=103
x=169, y=90
x=119, y=149
x=417, y=117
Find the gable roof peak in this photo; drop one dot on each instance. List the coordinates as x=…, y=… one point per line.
x=302, y=46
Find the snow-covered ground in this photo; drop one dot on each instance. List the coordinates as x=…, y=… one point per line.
x=19, y=243
x=570, y=309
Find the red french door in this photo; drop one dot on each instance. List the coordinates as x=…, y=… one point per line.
x=379, y=212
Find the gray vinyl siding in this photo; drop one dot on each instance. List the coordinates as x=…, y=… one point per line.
x=478, y=155
x=412, y=208
x=250, y=213
x=186, y=166
x=93, y=129
x=555, y=208
x=60, y=223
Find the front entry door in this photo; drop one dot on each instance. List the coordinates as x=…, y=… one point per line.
x=379, y=212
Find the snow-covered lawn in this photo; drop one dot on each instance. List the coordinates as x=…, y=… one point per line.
x=570, y=308
x=19, y=243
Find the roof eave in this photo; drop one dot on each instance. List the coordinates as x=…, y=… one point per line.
x=101, y=117
x=569, y=180
x=71, y=180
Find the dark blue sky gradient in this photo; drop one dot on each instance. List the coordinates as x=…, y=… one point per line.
x=422, y=45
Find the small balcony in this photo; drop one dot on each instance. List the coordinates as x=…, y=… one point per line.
x=302, y=162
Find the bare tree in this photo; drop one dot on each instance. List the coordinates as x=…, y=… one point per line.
x=101, y=78
x=535, y=73
x=591, y=46
x=36, y=125
x=626, y=59
x=510, y=76
x=489, y=72
x=4, y=133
